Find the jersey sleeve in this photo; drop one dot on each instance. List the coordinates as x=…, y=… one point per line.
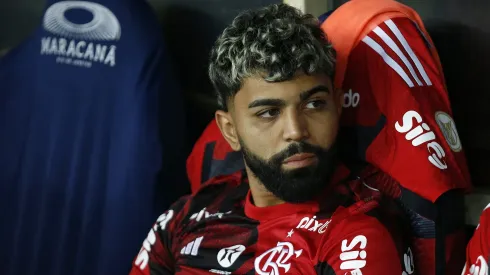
x=362, y=245
x=412, y=96
x=419, y=126
x=155, y=256
x=477, y=251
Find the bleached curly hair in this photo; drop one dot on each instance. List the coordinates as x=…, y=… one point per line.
x=273, y=42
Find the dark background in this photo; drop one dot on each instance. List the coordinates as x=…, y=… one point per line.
x=460, y=29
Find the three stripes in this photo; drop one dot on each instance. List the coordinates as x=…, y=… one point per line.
x=394, y=47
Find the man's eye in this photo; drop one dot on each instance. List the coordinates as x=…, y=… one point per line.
x=315, y=104
x=269, y=113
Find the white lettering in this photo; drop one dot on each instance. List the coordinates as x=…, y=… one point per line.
x=144, y=255
x=85, y=52
x=422, y=134
x=351, y=99
x=311, y=224
x=205, y=214
x=353, y=259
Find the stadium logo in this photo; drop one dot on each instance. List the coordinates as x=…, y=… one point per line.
x=311, y=224
x=227, y=256
x=353, y=254
x=274, y=259
x=448, y=128
x=422, y=134
x=351, y=99
x=76, y=44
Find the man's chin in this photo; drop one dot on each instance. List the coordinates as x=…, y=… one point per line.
x=298, y=191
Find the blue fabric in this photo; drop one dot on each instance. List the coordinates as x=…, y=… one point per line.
x=80, y=151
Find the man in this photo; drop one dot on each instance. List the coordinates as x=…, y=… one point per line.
x=272, y=69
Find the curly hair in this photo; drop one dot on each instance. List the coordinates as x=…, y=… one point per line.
x=273, y=42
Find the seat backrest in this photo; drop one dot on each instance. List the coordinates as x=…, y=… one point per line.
x=80, y=143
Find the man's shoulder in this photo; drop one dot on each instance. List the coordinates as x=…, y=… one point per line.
x=359, y=216
x=220, y=193
x=369, y=219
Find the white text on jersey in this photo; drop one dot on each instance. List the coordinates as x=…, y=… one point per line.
x=422, y=134
x=353, y=254
x=311, y=224
x=351, y=99
x=205, y=214
x=143, y=256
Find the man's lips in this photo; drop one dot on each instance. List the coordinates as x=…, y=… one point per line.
x=299, y=157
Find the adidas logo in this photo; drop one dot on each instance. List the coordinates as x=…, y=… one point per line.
x=192, y=248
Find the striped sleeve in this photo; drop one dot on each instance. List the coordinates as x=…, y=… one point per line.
x=388, y=41
x=155, y=256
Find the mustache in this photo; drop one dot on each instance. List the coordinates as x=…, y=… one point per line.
x=296, y=148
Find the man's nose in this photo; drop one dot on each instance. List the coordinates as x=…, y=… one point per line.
x=295, y=127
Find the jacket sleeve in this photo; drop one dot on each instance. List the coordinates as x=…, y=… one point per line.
x=363, y=245
x=407, y=87
x=477, y=252
x=419, y=127
x=155, y=256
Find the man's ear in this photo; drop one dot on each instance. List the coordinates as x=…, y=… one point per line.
x=227, y=126
x=339, y=96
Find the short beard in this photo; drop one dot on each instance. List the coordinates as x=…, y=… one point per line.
x=295, y=185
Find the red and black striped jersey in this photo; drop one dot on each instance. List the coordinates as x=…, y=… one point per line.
x=219, y=230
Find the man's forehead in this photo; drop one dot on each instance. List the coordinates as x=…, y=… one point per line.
x=256, y=87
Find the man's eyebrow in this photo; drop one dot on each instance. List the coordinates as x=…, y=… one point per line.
x=275, y=102
x=317, y=89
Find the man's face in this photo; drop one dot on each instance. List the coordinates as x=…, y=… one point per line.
x=286, y=131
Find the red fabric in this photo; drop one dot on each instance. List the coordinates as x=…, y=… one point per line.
x=317, y=237
x=195, y=164
x=478, y=249
x=393, y=71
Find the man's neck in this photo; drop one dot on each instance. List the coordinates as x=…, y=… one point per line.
x=260, y=195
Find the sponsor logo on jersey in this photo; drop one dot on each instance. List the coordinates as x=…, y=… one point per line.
x=276, y=259
x=311, y=224
x=353, y=255
x=408, y=262
x=144, y=255
x=420, y=133
x=192, y=248
x=227, y=256
x=480, y=267
x=351, y=99
x=448, y=128
x=219, y=271
x=205, y=214
x=80, y=44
